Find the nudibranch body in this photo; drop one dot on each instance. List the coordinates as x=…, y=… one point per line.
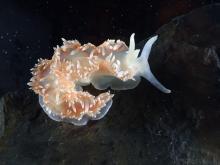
x=59, y=81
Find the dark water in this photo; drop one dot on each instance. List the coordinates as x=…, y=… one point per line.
x=30, y=29
x=144, y=126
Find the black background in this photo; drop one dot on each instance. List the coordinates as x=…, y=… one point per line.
x=30, y=29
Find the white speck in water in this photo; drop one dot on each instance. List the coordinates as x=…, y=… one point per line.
x=4, y=51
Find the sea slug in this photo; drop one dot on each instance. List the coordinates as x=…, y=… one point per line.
x=59, y=82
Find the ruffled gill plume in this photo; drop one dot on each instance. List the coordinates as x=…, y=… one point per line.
x=59, y=81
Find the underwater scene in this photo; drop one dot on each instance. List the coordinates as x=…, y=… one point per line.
x=110, y=82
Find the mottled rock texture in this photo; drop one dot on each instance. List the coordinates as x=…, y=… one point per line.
x=144, y=126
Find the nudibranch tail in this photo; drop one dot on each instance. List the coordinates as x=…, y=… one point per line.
x=145, y=70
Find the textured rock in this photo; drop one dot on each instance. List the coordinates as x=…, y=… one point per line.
x=2, y=118
x=144, y=126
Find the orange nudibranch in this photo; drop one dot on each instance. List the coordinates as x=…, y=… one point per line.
x=59, y=82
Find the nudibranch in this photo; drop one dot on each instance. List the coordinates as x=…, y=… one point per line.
x=59, y=82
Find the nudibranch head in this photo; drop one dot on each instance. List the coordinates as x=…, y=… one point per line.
x=59, y=82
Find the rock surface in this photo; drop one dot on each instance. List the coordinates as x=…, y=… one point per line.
x=144, y=126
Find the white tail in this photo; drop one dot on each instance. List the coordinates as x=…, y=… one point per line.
x=145, y=70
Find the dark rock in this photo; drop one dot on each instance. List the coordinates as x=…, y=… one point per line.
x=144, y=126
